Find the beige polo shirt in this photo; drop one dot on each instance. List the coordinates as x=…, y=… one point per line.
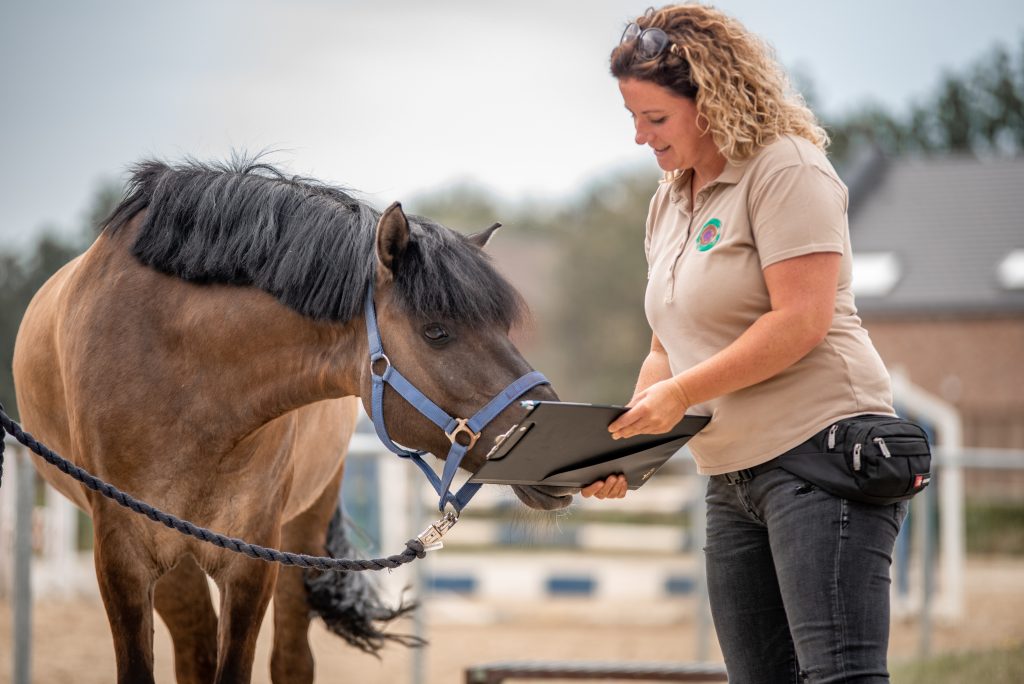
x=706, y=287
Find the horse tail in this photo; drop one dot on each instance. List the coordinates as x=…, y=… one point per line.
x=348, y=602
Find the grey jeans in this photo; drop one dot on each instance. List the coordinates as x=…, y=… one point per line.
x=799, y=580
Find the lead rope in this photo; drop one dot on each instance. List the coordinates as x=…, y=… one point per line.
x=427, y=540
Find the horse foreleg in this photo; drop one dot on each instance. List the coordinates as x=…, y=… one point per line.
x=182, y=599
x=292, y=659
x=126, y=578
x=246, y=586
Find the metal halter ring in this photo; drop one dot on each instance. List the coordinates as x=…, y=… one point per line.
x=381, y=357
x=462, y=427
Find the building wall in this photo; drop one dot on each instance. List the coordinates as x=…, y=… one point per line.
x=975, y=364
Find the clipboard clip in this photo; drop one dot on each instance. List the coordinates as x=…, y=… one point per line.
x=431, y=537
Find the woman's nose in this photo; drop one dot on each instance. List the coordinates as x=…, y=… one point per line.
x=641, y=136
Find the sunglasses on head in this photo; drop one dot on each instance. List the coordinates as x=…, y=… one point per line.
x=650, y=42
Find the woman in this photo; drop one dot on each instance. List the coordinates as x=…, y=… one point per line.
x=754, y=324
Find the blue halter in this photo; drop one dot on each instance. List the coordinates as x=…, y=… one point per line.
x=452, y=426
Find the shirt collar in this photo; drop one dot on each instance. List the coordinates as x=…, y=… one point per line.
x=733, y=172
x=680, y=180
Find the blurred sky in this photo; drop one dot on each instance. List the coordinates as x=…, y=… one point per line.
x=398, y=98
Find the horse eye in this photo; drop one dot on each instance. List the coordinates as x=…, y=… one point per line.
x=435, y=333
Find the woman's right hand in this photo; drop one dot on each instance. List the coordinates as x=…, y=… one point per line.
x=652, y=411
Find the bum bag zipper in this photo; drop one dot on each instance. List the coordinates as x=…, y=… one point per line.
x=881, y=447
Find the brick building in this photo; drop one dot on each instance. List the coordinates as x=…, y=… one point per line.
x=939, y=278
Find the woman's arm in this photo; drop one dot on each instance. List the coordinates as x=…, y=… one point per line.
x=802, y=292
x=655, y=367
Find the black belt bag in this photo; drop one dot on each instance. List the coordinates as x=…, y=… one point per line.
x=874, y=459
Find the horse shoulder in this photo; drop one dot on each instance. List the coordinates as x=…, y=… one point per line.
x=53, y=337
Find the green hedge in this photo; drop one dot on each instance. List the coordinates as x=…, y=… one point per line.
x=994, y=528
x=1002, y=666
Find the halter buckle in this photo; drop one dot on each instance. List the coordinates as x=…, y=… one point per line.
x=462, y=427
x=431, y=537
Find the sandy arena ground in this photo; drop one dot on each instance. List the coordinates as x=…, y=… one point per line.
x=71, y=640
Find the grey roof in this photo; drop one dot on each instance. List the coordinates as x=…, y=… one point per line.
x=949, y=221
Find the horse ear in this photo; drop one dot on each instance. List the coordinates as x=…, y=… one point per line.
x=484, y=236
x=392, y=238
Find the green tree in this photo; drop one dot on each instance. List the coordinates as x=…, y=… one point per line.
x=978, y=110
x=1001, y=97
x=465, y=207
x=599, y=323
x=868, y=124
x=958, y=121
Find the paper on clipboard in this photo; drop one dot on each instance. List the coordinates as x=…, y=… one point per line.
x=568, y=445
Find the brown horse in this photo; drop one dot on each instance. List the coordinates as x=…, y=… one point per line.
x=206, y=355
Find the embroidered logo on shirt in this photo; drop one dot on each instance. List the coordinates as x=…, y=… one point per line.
x=709, y=234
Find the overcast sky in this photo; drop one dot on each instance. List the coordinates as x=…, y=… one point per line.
x=398, y=98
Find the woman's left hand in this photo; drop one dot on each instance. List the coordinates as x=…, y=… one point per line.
x=614, y=487
x=652, y=411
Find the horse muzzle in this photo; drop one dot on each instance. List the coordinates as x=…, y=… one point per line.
x=545, y=497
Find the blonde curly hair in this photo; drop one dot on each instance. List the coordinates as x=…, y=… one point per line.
x=732, y=75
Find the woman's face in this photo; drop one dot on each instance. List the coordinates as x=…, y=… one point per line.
x=666, y=122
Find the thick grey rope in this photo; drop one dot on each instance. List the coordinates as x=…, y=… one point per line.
x=414, y=547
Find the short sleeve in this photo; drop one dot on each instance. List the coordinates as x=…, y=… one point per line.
x=798, y=210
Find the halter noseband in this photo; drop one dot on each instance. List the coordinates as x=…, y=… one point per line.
x=453, y=427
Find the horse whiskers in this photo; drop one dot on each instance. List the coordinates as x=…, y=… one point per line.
x=537, y=525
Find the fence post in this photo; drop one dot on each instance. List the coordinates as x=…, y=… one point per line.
x=8, y=501
x=25, y=500
x=925, y=510
x=949, y=480
x=416, y=517
x=698, y=531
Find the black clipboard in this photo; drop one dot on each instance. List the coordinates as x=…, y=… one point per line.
x=568, y=445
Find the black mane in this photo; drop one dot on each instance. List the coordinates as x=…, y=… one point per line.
x=307, y=243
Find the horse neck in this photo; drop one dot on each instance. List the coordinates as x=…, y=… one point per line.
x=228, y=354
x=279, y=359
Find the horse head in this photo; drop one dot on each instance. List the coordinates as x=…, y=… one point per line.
x=445, y=316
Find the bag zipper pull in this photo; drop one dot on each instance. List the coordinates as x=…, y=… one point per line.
x=882, y=447
x=856, y=456
x=832, y=436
